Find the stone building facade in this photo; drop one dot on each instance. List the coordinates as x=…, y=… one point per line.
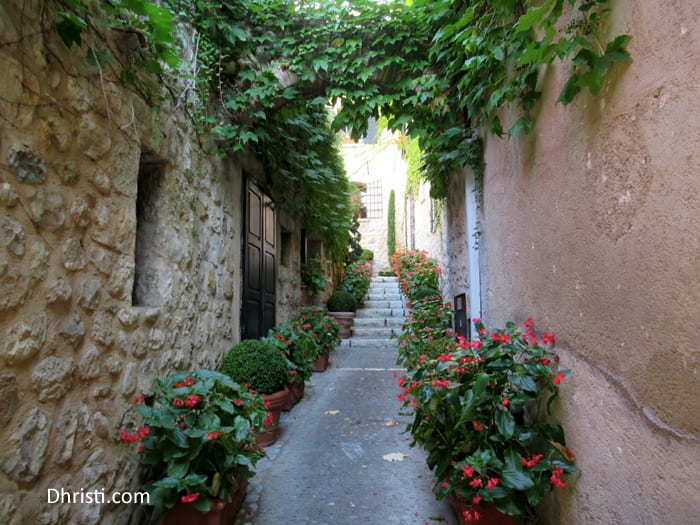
x=120, y=261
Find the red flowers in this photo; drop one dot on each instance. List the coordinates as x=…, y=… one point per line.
x=534, y=460
x=477, y=426
x=441, y=383
x=505, y=401
x=555, y=479
x=213, y=435
x=190, y=401
x=189, y=381
x=558, y=378
x=189, y=498
x=136, y=436
x=476, y=483
x=467, y=471
x=492, y=483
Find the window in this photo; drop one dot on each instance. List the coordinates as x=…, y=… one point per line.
x=148, y=275
x=371, y=198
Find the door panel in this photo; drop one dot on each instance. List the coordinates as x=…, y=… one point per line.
x=259, y=274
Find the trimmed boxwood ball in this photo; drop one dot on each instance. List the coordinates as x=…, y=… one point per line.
x=255, y=363
x=367, y=254
x=341, y=301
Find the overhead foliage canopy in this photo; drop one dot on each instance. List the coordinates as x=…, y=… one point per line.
x=438, y=70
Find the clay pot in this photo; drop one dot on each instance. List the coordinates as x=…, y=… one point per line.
x=488, y=515
x=321, y=362
x=221, y=513
x=274, y=403
x=345, y=320
x=296, y=392
x=306, y=299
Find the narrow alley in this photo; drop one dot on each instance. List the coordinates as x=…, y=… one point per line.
x=343, y=457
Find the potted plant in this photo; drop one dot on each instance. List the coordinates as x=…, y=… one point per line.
x=314, y=278
x=341, y=306
x=368, y=257
x=197, y=446
x=481, y=411
x=356, y=280
x=300, y=350
x=324, y=331
x=265, y=370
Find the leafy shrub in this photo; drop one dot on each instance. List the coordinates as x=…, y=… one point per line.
x=416, y=271
x=424, y=293
x=341, y=301
x=367, y=254
x=304, y=338
x=481, y=413
x=356, y=280
x=256, y=363
x=433, y=320
x=315, y=275
x=197, y=439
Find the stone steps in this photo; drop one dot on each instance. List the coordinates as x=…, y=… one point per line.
x=381, y=316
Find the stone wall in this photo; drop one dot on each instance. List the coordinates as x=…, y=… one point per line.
x=590, y=226
x=120, y=261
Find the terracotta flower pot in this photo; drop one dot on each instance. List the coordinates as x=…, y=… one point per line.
x=221, y=513
x=321, y=362
x=306, y=299
x=296, y=392
x=488, y=515
x=274, y=403
x=345, y=320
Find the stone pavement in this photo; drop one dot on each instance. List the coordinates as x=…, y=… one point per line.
x=343, y=457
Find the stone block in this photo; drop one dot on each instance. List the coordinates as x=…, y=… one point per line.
x=64, y=430
x=27, y=166
x=72, y=330
x=128, y=317
x=26, y=452
x=52, y=378
x=59, y=290
x=120, y=281
x=8, y=195
x=58, y=132
x=80, y=213
x=14, y=285
x=94, y=140
x=9, y=398
x=13, y=235
x=68, y=173
x=90, y=363
x=102, y=329
x=73, y=255
x=47, y=209
x=113, y=364
x=101, y=181
x=115, y=226
x=90, y=294
x=24, y=339
x=38, y=261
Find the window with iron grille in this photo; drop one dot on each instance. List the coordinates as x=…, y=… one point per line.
x=371, y=196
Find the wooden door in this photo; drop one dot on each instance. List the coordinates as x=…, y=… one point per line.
x=259, y=272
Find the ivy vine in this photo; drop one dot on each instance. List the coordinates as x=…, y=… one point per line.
x=441, y=71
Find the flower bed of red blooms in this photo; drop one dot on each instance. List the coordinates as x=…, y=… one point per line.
x=481, y=410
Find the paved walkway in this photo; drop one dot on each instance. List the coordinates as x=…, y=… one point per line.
x=333, y=462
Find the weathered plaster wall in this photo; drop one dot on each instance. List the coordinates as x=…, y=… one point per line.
x=591, y=227
x=456, y=263
x=75, y=349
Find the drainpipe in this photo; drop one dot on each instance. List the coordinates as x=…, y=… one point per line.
x=473, y=248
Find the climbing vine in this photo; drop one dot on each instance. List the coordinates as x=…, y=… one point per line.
x=442, y=71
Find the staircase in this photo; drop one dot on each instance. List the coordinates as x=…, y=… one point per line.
x=381, y=316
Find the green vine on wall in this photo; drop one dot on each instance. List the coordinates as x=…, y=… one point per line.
x=391, y=225
x=440, y=70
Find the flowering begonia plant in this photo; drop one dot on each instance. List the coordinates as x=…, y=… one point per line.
x=197, y=440
x=480, y=410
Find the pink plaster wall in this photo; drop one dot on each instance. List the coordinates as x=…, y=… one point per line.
x=592, y=226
